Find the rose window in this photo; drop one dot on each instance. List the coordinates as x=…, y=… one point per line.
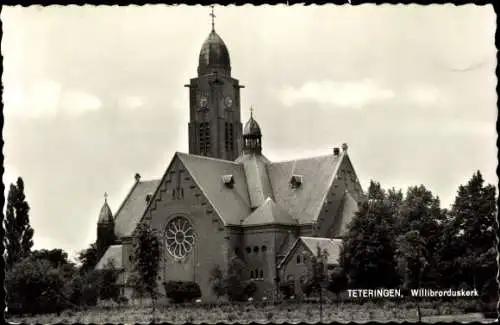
x=179, y=236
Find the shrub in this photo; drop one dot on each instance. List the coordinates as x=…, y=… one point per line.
x=249, y=288
x=122, y=300
x=307, y=287
x=337, y=281
x=83, y=290
x=179, y=292
x=287, y=289
x=35, y=286
x=234, y=284
x=108, y=289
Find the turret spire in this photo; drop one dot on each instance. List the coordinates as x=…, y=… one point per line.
x=213, y=16
x=252, y=136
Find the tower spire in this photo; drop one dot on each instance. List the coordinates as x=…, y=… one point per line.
x=213, y=16
x=106, y=197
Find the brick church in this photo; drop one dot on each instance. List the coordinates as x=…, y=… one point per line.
x=225, y=199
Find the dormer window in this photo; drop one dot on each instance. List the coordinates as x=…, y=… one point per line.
x=148, y=197
x=296, y=181
x=228, y=180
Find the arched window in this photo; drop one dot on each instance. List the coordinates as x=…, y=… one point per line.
x=303, y=279
x=263, y=248
x=261, y=274
x=248, y=249
x=298, y=259
x=290, y=278
x=304, y=259
x=256, y=249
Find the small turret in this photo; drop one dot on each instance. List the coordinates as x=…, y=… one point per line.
x=105, y=228
x=105, y=216
x=252, y=136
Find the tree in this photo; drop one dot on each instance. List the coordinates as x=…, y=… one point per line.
x=217, y=281
x=420, y=211
x=18, y=232
x=88, y=258
x=235, y=283
x=411, y=261
x=317, y=278
x=472, y=229
x=367, y=254
x=337, y=281
x=35, y=286
x=147, y=259
x=57, y=257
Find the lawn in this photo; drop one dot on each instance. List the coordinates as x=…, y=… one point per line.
x=256, y=312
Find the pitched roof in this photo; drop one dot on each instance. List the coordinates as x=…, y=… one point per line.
x=245, y=202
x=132, y=208
x=269, y=213
x=331, y=245
x=305, y=201
x=231, y=204
x=257, y=177
x=112, y=255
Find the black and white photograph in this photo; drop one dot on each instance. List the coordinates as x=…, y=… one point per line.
x=237, y=164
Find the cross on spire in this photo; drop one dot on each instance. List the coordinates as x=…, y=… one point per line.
x=213, y=17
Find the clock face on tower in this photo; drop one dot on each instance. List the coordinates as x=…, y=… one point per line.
x=228, y=101
x=203, y=101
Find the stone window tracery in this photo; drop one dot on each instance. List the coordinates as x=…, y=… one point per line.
x=179, y=237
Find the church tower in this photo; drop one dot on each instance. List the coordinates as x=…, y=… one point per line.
x=105, y=228
x=214, y=101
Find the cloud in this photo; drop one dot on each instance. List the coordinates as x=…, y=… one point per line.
x=40, y=99
x=351, y=94
x=46, y=98
x=76, y=102
x=133, y=102
x=424, y=95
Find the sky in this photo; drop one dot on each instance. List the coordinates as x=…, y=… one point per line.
x=93, y=95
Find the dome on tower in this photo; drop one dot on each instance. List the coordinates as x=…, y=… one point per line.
x=214, y=56
x=252, y=128
x=105, y=215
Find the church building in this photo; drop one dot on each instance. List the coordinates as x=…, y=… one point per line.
x=224, y=199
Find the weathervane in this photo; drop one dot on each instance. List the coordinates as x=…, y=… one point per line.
x=213, y=16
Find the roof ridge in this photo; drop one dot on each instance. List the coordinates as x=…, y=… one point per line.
x=206, y=157
x=178, y=154
x=150, y=180
x=302, y=159
x=120, y=208
x=330, y=183
x=160, y=181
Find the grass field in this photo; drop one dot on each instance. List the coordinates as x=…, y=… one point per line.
x=256, y=312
